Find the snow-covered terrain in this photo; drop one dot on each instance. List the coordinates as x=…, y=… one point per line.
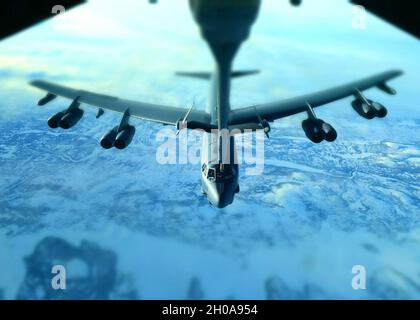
x=293, y=232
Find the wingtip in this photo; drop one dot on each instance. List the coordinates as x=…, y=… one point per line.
x=398, y=72
x=34, y=82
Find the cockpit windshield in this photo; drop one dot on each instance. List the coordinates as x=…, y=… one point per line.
x=211, y=174
x=218, y=171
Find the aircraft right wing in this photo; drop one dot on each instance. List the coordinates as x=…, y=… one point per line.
x=146, y=111
x=121, y=135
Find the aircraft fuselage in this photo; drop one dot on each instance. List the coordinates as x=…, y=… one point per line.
x=224, y=25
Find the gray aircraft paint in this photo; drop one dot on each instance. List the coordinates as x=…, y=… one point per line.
x=224, y=25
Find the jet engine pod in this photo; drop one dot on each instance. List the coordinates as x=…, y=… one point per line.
x=381, y=111
x=365, y=110
x=314, y=130
x=124, y=137
x=330, y=132
x=55, y=119
x=107, y=141
x=295, y=2
x=71, y=118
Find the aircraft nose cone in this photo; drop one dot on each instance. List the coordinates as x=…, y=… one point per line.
x=220, y=187
x=220, y=196
x=218, y=201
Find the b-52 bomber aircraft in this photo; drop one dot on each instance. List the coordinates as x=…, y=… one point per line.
x=224, y=25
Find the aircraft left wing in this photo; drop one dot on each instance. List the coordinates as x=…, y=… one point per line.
x=259, y=116
x=288, y=107
x=146, y=111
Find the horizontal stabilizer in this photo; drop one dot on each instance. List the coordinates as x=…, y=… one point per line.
x=198, y=75
x=243, y=73
x=207, y=75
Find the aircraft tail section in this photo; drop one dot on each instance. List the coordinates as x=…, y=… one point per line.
x=207, y=75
